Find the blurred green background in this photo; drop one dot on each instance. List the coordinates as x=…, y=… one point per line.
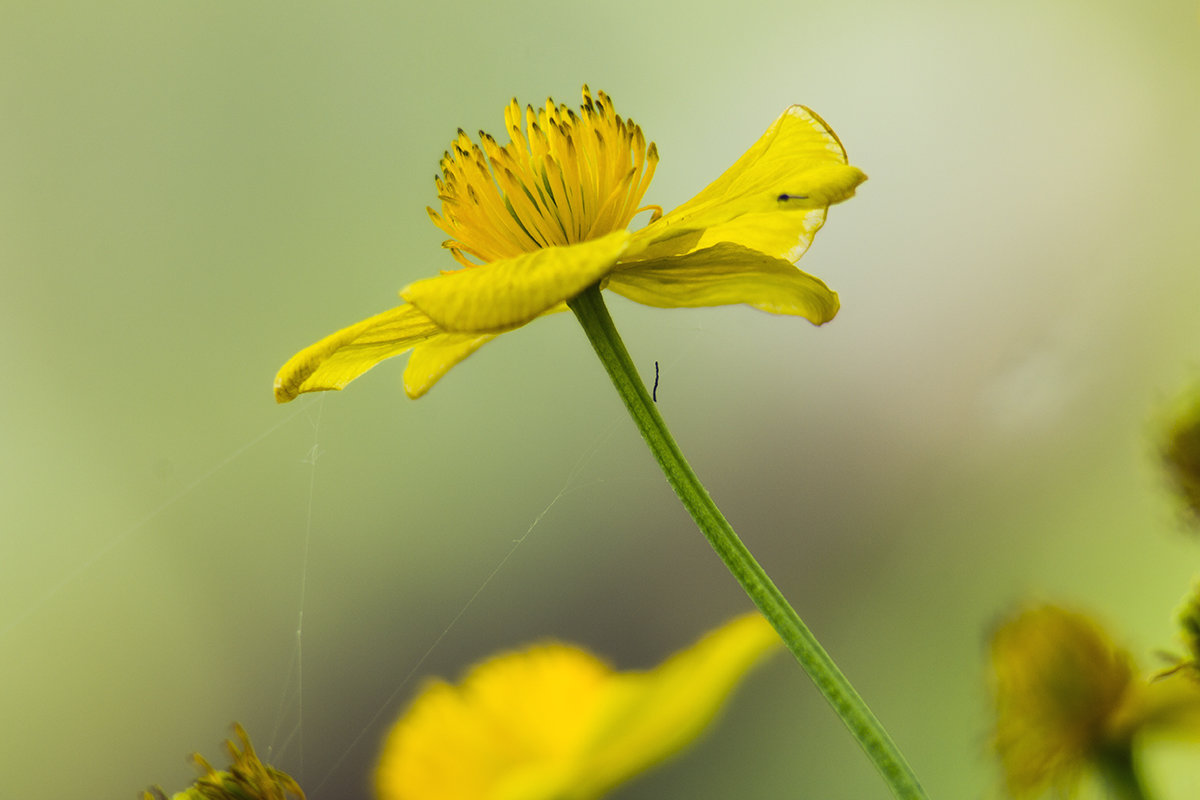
x=190, y=192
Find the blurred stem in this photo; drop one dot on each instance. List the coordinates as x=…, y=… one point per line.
x=1121, y=775
x=593, y=315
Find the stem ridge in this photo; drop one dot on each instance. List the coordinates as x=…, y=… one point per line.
x=590, y=310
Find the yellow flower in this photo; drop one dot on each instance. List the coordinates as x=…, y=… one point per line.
x=1059, y=685
x=536, y=221
x=1189, y=624
x=1181, y=452
x=553, y=722
x=247, y=778
x=1068, y=699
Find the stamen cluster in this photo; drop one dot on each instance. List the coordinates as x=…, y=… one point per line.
x=566, y=178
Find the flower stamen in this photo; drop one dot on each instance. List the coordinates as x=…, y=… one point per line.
x=564, y=178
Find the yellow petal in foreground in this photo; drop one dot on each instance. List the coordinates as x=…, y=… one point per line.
x=553, y=722
x=341, y=357
x=506, y=294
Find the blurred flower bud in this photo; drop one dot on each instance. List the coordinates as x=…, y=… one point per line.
x=1181, y=452
x=246, y=779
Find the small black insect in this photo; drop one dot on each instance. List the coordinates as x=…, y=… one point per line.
x=783, y=198
x=654, y=393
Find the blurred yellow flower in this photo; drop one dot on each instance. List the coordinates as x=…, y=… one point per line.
x=1060, y=686
x=1189, y=625
x=1068, y=699
x=553, y=722
x=535, y=222
x=1181, y=451
x=247, y=778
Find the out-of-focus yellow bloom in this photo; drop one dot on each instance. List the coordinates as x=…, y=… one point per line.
x=246, y=779
x=1068, y=699
x=535, y=222
x=1189, y=633
x=1181, y=452
x=553, y=722
x=1189, y=622
x=1060, y=687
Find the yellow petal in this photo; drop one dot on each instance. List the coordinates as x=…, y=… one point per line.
x=341, y=357
x=725, y=274
x=506, y=294
x=516, y=721
x=553, y=722
x=434, y=358
x=773, y=199
x=653, y=715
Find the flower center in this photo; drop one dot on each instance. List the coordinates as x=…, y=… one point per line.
x=565, y=179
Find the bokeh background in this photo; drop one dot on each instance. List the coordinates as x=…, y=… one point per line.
x=189, y=192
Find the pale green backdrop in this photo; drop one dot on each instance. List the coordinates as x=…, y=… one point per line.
x=191, y=191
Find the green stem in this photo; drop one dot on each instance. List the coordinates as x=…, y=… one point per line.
x=593, y=315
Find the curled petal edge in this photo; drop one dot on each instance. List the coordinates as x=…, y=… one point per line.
x=339, y=358
x=727, y=274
